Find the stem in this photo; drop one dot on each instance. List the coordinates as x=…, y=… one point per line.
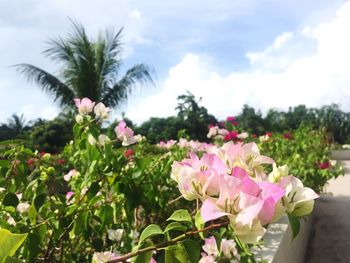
x=174, y=200
x=166, y=243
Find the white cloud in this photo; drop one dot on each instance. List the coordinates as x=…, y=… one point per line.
x=136, y=14
x=310, y=66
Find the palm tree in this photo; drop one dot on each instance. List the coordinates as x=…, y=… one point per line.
x=17, y=123
x=90, y=69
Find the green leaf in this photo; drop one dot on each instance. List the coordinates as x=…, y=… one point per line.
x=9, y=243
x=93, y=190
x=13, y=260
x=177, y=254
x=39, y=201
x=175, y=226
x=199, y=223
x=193, y=250
x=32, y=214
x=146, y=256
x=294, y=224
x=4, y=163
x=181, y=215
x=150, y=231
x=11, y=199
x=106, y=214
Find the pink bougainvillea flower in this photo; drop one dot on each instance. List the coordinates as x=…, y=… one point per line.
x=228, y=248
x=324, y=165
x=210, y=247
x=288, y=136
x=69, y=195
x=60, y=161
x=69, y=175
x=232, y=135
x=125, y=134
x=167, y=145
x=129, y=153
x=101, y=111
x=84, y=105
x=298, y=200
x=271, y=195
x=230, y=119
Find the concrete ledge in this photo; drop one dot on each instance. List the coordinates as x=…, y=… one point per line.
x=278, y=244
x=341, y=154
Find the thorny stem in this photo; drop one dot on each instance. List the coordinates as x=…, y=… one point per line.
x=166, y=243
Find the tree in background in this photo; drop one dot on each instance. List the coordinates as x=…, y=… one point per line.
x=192, y=120
x=251, y=120
x=195, y=118
x=89, y=69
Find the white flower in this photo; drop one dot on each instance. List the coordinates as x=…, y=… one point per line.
x=103, y=139
x=243, y=135
x=79, y=119
x=103, y=257
x=91, y=139
x=115, y=235
x=278, y=172
x=264, y=138
x=19, y=196
x=23, y=207
x=69, y=175
x=101, y=111
x=228, y=248
x=134, y=234
x=11, y=221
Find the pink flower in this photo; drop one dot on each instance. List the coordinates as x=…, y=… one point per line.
x=230, y=119
x=288, y=136
x=69, y=195
x=125, y=134
x=324, y=165
x=85, y=105
x=207, y=259
x=298, y=200
x=228, y=248
x=129, y=153
x=60, y=161
x=269, y=134
x=210, y=246
x=153, y=260
x=167, y=145
x=233, y=135
x=69, y=175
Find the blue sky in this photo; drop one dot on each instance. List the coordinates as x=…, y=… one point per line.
x=263, y=53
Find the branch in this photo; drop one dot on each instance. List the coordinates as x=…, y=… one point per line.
x=166, y=243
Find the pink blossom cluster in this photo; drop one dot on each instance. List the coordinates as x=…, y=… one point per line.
x=167, y=145
x=195, y=146
x=231, y=182
x=217, y=133
x=86, y=106
x=126, y=135
x=211, y=252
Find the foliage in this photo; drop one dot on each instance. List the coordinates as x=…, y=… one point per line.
x=101, y=191
x=306, y=152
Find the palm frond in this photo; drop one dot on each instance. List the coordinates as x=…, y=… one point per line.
x=48, y=83
x=139, y=73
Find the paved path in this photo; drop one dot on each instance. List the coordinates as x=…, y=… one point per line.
x=330, y=234
x=341, y=185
